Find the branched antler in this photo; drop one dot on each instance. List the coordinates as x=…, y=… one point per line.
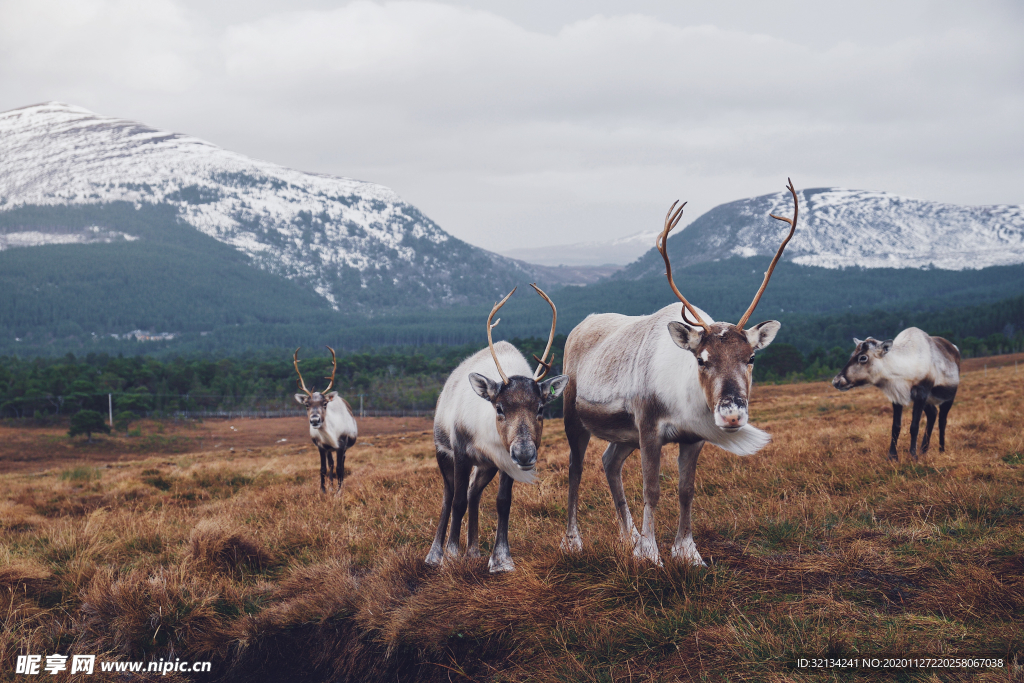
x=546, y=366
x=671, y=220
x=490, y=343
x=300, y=382
x=334, y=370
x=778, y=254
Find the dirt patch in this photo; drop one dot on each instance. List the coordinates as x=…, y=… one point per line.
x=27, y=447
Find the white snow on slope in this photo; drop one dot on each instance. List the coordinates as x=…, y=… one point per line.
x=839, y=228
x=293, y=223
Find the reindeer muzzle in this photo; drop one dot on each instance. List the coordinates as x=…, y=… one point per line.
x=731, y=414
x=841, y=383
x=524, y=454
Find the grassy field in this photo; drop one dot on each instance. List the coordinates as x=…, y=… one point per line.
x=816, y=547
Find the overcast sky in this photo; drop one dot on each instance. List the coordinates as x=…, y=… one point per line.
x=525, y=123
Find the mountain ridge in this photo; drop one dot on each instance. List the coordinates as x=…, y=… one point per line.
x=339, y=235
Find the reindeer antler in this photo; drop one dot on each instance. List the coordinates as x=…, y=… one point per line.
x=778, y=254
x=671, y=220
x=300, y=381
x=490, y=343
x=546, y=367
x=334, y=359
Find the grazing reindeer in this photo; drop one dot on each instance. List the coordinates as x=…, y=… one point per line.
x=912, y=368
x=631, y=385
x=331, y=425
x=501, y=434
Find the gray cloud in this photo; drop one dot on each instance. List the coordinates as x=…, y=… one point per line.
x=522, y=123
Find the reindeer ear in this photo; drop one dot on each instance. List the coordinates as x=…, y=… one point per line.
x=302, y=399
x=857, y=342
x=685, y=336
x=762, y=334
x=331, y=396
x=886, y=345
x=552, y=388
x=485, y=387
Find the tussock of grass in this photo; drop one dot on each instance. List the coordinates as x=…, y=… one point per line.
x=816, y=547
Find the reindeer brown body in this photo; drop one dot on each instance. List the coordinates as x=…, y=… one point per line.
x=912, y=369
x=644, y=382
x=476, y=439
x=332, y=427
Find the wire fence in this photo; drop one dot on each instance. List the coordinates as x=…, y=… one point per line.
x=176, y=406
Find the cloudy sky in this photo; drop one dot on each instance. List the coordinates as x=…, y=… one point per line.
x=528, y=123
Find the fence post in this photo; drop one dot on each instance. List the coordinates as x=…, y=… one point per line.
x=360, y=405
x=110, y=409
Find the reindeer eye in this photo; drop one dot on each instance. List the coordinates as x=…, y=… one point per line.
x=700, y=361
x=751, y=360
x=500, y=411
x=862, y=359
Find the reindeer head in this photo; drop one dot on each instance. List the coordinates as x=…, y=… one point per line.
x=861, y=367
x=724, y=352
x=725, y=360
x=314, y=401
x=519, y=401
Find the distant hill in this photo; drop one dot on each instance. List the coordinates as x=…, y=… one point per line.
x=848, y=228
x=355, y=243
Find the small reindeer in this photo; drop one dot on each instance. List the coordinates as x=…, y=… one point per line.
x=648, y=381
x=475, y=439
x=914, y=368
x=331, y=424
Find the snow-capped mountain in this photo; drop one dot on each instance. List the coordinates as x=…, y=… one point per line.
x=839, y=228
x=348, y=239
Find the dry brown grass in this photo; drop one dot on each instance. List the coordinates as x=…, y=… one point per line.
x=817, y=546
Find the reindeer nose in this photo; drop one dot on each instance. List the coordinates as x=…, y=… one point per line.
x=524, y=454
x=731, y=415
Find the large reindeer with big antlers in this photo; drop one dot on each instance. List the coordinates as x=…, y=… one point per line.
x=476, y=439
x=647, y=381
x=331, y=424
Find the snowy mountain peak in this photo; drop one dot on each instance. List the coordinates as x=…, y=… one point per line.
x=839, y=228
x=315, y=228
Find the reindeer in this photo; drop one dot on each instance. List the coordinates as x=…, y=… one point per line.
x=475, y=440
x=914, y=368
x=331, y=424
x=647, y=381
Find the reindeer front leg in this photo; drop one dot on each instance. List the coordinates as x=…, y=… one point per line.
x=478, y=481
x=501, y=556
x=459, y=493
x=684, y=548
x=650, y=463
x=445, y=464
x=897, y=418
x=323, y=468
x=613, y=459
x=341, y=465
x=579, y=439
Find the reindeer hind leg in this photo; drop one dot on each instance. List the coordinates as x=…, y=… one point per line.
x=930, y=413
x=943, y=412
x=478, y=481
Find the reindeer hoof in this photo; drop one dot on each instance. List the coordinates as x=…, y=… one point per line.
x=571, y=544
x=504, y=564
x=433, y=559
x=687, y=553
x=647, y=550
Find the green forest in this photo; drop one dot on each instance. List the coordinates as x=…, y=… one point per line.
x=410, y=377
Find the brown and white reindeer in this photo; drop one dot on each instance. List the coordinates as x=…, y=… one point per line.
x=912, y=369
x=475, y=439
x=331, y=424
x=675, y=376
